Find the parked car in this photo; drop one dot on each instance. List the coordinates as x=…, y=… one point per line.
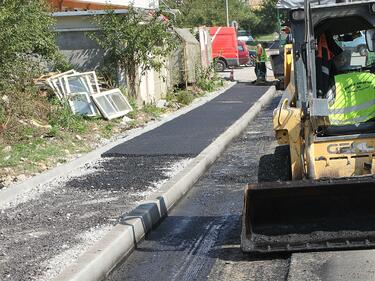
x=224, y=47
x=242, y=35
x=357, y=44
x=243, y=53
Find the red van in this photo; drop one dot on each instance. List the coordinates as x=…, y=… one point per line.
x=224, y=47
x=243, y=53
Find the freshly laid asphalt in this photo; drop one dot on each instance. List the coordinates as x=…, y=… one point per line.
x=200, y=238
x=192, y=132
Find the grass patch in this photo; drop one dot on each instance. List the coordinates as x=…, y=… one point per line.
x=153, y=110
x=39, y=154
x=62, y=118
x=265, y=37
x=185, y=97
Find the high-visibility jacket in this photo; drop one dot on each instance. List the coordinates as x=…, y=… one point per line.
x=353, y=100
x=261, y=55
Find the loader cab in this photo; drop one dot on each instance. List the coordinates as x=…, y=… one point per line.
x=344, y=26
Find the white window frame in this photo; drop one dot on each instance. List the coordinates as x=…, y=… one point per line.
x=57, y=78
x=85, y=76
x=118, y=112
x=89, y=102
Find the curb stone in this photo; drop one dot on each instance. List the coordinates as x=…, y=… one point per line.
x=12, y=196
x=101, y=259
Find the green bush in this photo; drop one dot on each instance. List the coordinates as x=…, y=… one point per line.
x=153, y=110
x=62, y=118
x=207, y=79
x=185, y=97
x=26, y=41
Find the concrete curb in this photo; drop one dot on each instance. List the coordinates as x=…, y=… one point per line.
x=99, y=260
x=14, y=193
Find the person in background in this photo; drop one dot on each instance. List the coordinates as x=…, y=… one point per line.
x=260, y=66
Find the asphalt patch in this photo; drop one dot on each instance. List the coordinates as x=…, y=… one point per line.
x=188, y=134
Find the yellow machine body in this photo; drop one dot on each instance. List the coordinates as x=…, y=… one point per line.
x=328, y=204
x=314, y=157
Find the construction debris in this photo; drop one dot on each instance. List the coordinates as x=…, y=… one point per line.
x=82, y=92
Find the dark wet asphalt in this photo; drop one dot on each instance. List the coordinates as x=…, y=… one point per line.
x=192, y=132
x=200, y=239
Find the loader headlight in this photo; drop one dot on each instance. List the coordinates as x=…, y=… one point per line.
x=298, y=15
x=372, y=8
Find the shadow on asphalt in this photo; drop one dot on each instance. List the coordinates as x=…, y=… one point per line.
x=275, y=166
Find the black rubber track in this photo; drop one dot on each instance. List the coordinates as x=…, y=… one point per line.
x=192, y=132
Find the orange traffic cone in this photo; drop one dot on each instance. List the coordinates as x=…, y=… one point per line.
x=231, y=77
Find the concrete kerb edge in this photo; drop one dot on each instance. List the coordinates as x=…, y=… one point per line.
x=15, y=191
x=100, y=259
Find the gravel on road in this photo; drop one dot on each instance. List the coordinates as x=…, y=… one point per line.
x=39, y=238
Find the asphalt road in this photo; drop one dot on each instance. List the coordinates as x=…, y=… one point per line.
x=200, y=239
x=39, y=237
x=189, y=134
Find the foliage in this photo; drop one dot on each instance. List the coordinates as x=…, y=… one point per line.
x=26, y=41
x=209, y=12
x=107, y=130
x=153, y=110
x=212, y=13
x=134, y=39
x=207, y=79
x=27, y=46
x=267, y=15
x=185, y=97
x=17, y=111
x=62, y=118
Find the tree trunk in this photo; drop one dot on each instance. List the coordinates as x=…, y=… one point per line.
x=132, y=76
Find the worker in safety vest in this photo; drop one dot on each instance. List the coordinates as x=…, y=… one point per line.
x=351, y=96
x=352, y=100
x=260, y=66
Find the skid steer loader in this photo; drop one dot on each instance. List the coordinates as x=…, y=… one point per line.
x=327, y=117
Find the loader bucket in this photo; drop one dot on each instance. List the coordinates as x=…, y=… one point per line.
x=309, y=215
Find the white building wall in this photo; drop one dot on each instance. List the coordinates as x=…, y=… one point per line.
x=153, y=86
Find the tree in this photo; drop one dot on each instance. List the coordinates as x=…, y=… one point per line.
x=26, y=39
x=135, y=39
x=267, y=15
x=209, y=12
x=212, y=13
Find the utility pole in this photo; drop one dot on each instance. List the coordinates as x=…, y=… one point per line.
x=227, y=11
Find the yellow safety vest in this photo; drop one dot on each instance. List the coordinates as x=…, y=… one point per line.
x=354, y=99
x=263, y=56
